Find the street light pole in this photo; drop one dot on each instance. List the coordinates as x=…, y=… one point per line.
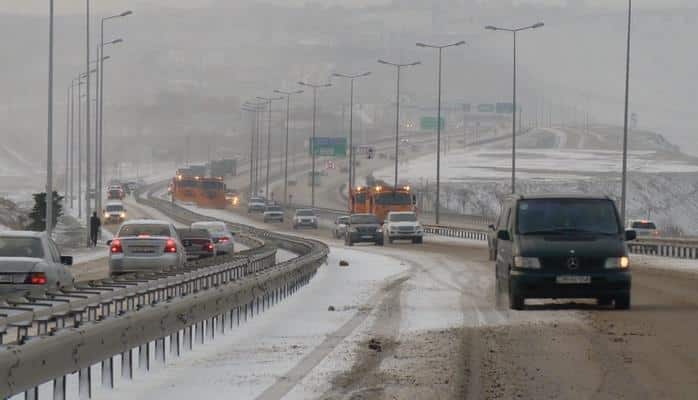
x=352, y=175
x=514, y=31
x=624, y=190
x=72, y=143
x=398, y=67
x=288, y=114
x=254, y=145
x=268, y=100
x=100, y=152
x=49, y=145
x=438, y=124
x=315, y=87
x=87, y=119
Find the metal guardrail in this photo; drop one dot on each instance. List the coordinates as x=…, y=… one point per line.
x=666, y=247
x=456, y=232
x=72, y=331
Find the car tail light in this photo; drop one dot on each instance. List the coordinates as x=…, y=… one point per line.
x=224, y=239
x=170, y=246
x=208, y=247
x=36, y=278
x=116, y=246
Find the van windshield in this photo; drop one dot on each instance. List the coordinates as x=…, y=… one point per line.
x=546, y=216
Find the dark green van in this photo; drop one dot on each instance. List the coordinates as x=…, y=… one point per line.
x=563, y=246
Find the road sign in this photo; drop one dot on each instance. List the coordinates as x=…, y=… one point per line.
x=485, y=108
x=505, y=108
x=429, y=123
x=327, y=146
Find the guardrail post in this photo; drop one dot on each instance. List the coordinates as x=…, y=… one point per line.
x=59, y=388
x=127, y=364
x=32, y=394
x=211, y=329
x=189, y=337
x=160, y=350
x=220, y=323
x=200, y=332
x=144, y=356
x=85, y=383
x=175, y=345
x=108, y=373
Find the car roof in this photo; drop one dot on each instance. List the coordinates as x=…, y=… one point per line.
x=22, y=234
x=585, y=196
x=146, y=221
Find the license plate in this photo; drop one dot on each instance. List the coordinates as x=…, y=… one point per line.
x=142, y=249
x=367, y=237
x=186, y=243
x=573, y=279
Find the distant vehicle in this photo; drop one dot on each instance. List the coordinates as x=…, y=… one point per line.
x=364, y=228
x=197, y=243
x=305, y=217
x=256, y=204
x=563, y=246
x=644, y=228
x=184, y=187
x=31, y=263
x=232, y=197
x=403, y=225
x=340, y=226
x=210, y=193
x=358, y=200
x=132, y=186
x=273, y=213
x=145, y=246
x=114, y=212
x=115, y=193
x=382, y=199
x=220, y=234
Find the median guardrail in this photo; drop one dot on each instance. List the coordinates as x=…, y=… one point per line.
x=666, y=247
x=67, y=332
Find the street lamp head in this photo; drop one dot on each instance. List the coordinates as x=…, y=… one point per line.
x=414, y=63
x=105, y=58
x=538, y=25
x=419, y=44
x=126, y=13
x=302, y=83
x=384, y=62
x=462, y=42
x=116, y=41
x=367, y=73
x=492, y=28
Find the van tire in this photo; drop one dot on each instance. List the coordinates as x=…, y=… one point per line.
x=623, y=302
x=516, y=300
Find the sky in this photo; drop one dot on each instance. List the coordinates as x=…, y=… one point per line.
x=235, y=50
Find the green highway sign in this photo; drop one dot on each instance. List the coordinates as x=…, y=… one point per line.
x=485, y=108
x=429, y=123
x=329, y=147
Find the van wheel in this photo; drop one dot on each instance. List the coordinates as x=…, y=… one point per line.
x=604, y=301
x=623, y=302
x=516, y=300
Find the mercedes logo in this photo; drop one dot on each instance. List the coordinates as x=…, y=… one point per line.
x=572, y=263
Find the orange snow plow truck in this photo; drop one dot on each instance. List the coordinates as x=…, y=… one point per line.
x=380, y=200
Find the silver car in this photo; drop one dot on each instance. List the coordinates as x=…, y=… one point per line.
x=145, y=246
x=31, y=263
x=340, y=226
x=221, y=235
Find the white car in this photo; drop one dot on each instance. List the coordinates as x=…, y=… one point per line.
x=114, y=212
x=274, y=213
x=30, y=263
x=644, y=228
x=305, y=217
x=221, y=235
x=340, y=226
x=145, y=246
x=403, y=225
x=256, y=204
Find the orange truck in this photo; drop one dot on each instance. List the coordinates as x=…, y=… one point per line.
x=381, y=199
x=211, y=193
x=184, y=188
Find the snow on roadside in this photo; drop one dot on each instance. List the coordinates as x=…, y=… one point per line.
x=252, y=357
x=664, y=263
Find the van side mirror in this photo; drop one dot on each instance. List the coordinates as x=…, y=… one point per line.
x=109, y=242
x=503, y=235
x=491, y=226
x=67, y=260
x=414, y=199
x=630, y=235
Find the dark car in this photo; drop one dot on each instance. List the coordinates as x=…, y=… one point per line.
x=197, y=243
x=363, y=228
x=563, y=246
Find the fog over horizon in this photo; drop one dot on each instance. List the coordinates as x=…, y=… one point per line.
x=210, y=56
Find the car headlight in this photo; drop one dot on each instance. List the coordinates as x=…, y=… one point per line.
x=123, y=215
x=106, y=215
x=617, y=262
x=527, y=262
x=379, y=230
